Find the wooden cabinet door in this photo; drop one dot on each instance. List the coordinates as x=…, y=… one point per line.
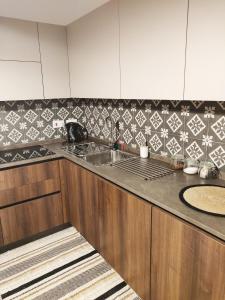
x=186, y=263
x=205, y=63
x=82, y=191
x=1, y=235
x=125, y=233
x=29, y=218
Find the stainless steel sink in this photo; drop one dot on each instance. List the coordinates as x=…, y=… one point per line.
x=107, y=157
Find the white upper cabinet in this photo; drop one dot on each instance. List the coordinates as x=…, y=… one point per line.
x=18, y=40
x=152, y=44
x=205, y=70
x=54, y=59
x=33, y=60
x=94, y=54
x=20, y=81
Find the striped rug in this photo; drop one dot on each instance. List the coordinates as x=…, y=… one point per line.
x=60, y=266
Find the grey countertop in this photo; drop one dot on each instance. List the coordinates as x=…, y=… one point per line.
x=163, y=192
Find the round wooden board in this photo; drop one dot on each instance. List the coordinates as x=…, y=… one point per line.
x=206, y=198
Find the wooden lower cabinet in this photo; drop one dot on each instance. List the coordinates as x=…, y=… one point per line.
x=157, y=254
x=28, y=182
x=186, y=263
x=29, y=218
x=82, y=192
x=115, y=222
x=1, y=235
x=31, y=200
x=125, y=234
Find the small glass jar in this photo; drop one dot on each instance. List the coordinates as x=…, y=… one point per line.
x=191, y=166
x=207, y=169
x=177, y=162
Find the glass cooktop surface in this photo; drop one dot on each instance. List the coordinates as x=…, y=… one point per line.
x=7, y=156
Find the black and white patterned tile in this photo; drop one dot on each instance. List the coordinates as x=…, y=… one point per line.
x=174, y=118
x=194, y=128
x=194, y=149
x=173, y=145
x=22, y=122
x=217, y=123
x=196, y=121
x=216, y=153
x=156, y=143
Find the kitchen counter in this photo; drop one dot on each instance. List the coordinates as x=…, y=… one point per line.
x=162, y=192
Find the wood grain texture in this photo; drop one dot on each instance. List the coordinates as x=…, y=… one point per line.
x=1, y=235
x=24, y=220
x=64, y=192
x=82, y=191
x=27, y=182
x=125, y=234
x=186, y=262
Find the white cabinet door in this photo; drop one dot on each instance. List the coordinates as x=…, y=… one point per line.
x=20, y=80
x=152, y=41
x=205, y=71
x=18, y=40
x=94, y=54
x=54, y=59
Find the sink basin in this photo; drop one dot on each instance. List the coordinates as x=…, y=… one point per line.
x=107, y=157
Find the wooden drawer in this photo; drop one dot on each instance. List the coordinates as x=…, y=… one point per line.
x=28, y=182
x=1, y=235
x=26, y=219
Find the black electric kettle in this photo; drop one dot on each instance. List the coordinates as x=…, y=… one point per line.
x=76, y=132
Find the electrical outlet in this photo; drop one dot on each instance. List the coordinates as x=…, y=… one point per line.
x=57, y=123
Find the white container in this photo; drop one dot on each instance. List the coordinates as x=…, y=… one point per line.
x=191, y=166
x=191, y=170
x=143, y=151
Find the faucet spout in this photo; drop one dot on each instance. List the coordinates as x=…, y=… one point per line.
x=113, y=143
x=109, y=124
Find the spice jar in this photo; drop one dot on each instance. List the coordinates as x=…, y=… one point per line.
x=177, y=162
x=207, y=169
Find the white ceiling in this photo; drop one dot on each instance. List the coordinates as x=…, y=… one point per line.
x=61, y=12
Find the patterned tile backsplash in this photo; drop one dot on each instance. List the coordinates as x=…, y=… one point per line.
x=193, y=128
x=29, y=121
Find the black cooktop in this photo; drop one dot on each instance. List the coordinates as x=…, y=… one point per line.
x=8, y=156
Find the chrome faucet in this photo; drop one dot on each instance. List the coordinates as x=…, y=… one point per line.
x=109, y=125
x=112, y=144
